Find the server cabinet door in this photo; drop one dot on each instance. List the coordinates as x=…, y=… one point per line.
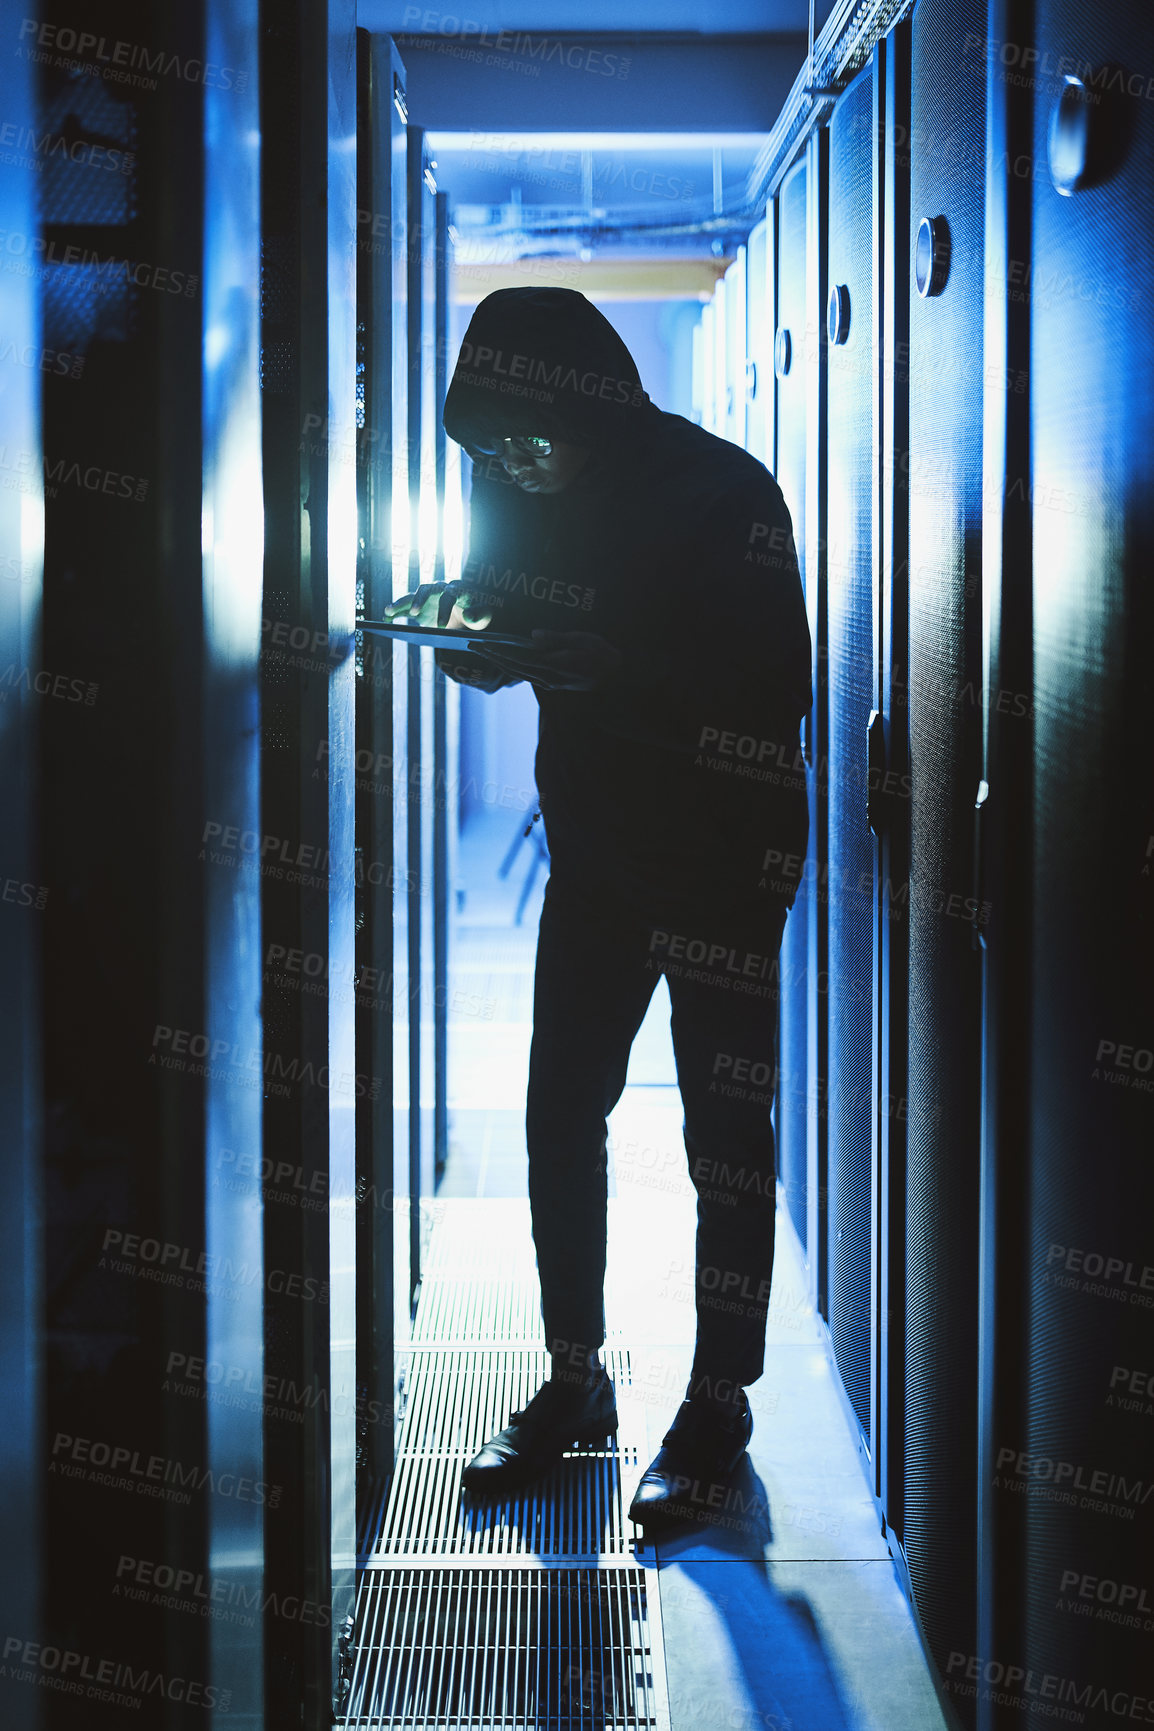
x=890, y=820
x=421, y=777
x=817, y=728
x=231, y=596
x=309, y=215
x=943, y=279
x=735, y=339
x=719, y=373
x=703, y=371
x=374, y=796
x=698, y=363
x=852, y=442
x=384, y=1279
x=145, y=901
x=340, y=604
x=21, y=1111
x=789, y=350
x=759, y=321
x=445, y=710
x=1003, y=876
x=393, y=537
x=1091, y=1178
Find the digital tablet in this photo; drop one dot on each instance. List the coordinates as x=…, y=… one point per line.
x=442, y=638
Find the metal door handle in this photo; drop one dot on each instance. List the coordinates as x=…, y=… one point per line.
x=837, y=314
x=782, y=352
x=977, y=938
x=876, y=772
x=1072, y=127
x=932, y=255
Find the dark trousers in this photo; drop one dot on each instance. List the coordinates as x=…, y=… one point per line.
x=597, y=967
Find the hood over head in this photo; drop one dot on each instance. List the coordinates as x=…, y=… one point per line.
x=545, y=361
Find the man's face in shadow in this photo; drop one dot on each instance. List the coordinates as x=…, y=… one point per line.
x=536, y=473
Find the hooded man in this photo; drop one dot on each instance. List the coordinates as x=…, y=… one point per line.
x=653, y=564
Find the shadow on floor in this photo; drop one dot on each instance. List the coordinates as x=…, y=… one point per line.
x=573, y=1513
x=765, y=1643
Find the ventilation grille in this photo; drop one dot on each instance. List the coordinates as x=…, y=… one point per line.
x=83, y=303
x=491, y=1245
x=850, y=668
x=491, y=1648
x=456, y=1400
x=506, y=1311
x=526, y=1612
x=85, y=148
x=940, y=1446
x=792, y=1113
x=487, y=1312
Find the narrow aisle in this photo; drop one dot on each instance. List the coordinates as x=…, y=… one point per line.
x=528, y=1612
x=780, y=1610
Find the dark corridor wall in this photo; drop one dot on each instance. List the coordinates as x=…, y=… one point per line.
x=963, y=436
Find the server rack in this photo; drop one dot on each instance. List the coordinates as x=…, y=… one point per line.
x=851, y=310
x=760, y=321
x=150, y=941
x=797, y=1108
x=1025, y=704
x=733, y=406
x=309, y=466
x=1088, y=1169
x=21, y=1084
x=384, y=1266
x=889, y=771
x=444, y=813
x=719, y=360
x=817, y=748
x=944, y=281
x=1003, y=856
x=421, y=765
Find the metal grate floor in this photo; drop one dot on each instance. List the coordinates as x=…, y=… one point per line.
x=458, y=1398
x=479, y=1310
x=525, y=1613
x=482, y=1649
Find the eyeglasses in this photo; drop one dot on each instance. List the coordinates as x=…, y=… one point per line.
x=521, y=445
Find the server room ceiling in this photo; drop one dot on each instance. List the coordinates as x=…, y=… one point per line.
x=653, y=165
x=581, y=196
x=593, y=17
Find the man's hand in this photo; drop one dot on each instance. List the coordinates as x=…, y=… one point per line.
x=440, y=604
x=559, y=660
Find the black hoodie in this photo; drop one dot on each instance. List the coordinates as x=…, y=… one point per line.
x=677, y=785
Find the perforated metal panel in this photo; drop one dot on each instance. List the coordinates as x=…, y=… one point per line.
x=1090, y=1172
x=85, y=303
x=851, y=655
x=505, y=1648
x=278, y=356
x=84, y=147
x=791, y=441
x=521, y=1611
x=497, y=1312
x=944, y=703
x=456, y=1400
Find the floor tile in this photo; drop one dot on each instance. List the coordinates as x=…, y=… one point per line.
x=800, y=1645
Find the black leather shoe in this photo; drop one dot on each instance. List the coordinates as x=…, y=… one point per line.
x=687, y=1477
x=558, y=1416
